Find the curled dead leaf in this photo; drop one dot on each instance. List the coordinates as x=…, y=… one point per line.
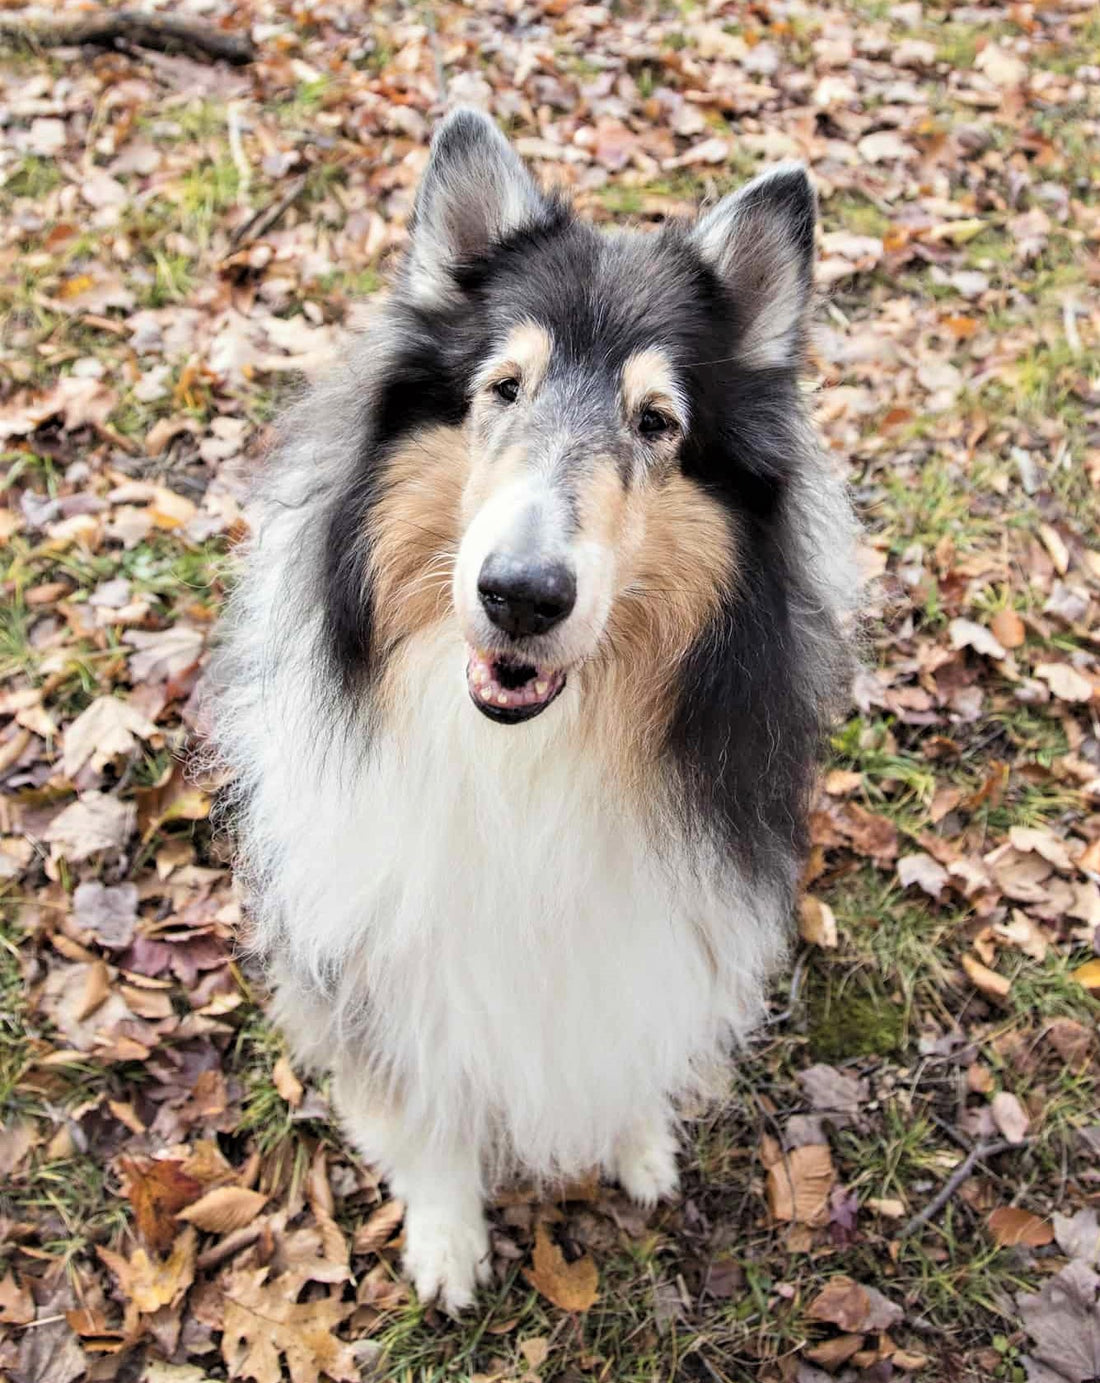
x=817, y=923
x=570, y=1286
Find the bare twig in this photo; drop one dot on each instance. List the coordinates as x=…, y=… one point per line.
x=163, y=33
x=266, y=217
x=979, y=1153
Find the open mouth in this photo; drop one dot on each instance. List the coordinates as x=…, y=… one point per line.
x=509, y=690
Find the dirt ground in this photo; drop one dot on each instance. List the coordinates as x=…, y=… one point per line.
x=904, y=1181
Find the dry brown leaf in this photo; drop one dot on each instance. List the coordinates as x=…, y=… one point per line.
x=1008, y=628
x=263, y=1321
x=570, y=1286
x=287, y=1083
x=799, y=1184
x=853, y=1307
x=105, y=730
x=150, y=1283
x=224, y=1209
x=817, y=923
x=16, y=1302
x=379, y=1227
x=1010, y=1225
x=830, y=1354
x=157, y=1188
x=984, y=980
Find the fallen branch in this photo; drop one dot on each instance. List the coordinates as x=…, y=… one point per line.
x=977, y=1154
x=266, y=217
x=163, y=33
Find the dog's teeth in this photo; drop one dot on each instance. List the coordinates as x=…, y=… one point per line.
x=486, y=693
x=542, y=688
x=502, y=697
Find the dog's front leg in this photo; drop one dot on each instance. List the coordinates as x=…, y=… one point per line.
x=446, y=1234
x=644, y=1162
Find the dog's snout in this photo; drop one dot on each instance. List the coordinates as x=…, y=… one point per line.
x=524, y=597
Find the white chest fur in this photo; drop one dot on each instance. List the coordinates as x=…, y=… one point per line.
x=497, y=928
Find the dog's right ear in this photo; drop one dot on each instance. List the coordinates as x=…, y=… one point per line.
x=475, y=192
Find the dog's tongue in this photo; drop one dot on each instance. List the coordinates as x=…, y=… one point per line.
x=509, y=684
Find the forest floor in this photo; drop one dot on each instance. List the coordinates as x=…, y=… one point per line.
x=905, y=1178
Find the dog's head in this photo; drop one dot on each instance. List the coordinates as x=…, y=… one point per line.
x=622, y=403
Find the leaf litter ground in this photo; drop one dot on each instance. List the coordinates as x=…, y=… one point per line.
x=904, y=1180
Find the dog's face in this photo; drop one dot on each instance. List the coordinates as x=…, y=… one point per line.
x=604, y=379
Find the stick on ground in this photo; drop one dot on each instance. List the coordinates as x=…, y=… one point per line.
x=163, y=33
x=976, y=1154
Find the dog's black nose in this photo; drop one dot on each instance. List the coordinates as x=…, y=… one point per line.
x=524, y=597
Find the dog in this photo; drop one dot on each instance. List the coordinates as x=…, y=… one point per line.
x=546, y=610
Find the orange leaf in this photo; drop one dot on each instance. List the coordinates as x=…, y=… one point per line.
x=1010, y=1225
x=158, y=1189
x=572, y=1286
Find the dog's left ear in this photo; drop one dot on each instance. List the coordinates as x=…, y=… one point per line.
x=760, y=242
x=475, y=191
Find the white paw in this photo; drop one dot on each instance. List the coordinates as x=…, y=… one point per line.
x=446, y=1255
x=645, y=1167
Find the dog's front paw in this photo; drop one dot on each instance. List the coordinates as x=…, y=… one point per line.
x=446, y=1255
x=645, y=1165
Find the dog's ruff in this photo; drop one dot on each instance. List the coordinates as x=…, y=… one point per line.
x=520, y=945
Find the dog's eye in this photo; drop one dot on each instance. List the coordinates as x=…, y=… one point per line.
x=507, y=389
x=654, y=423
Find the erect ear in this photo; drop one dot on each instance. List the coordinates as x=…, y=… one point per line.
x=760, y=242
x=474, y=191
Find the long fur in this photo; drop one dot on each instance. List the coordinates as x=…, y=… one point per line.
x=522, y=941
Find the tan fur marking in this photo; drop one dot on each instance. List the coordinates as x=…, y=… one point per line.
x=415, y=532
x=677, y=549
x=525, y=352
x=648, y=378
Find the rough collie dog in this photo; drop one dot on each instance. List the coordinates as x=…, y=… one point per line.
x=524, y=683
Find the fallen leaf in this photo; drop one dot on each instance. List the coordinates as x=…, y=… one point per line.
x=287, y=1083
x=569, y=1286
x=263, y=1321
x=95, y=821
x=1088, y=974
x=1010, y=1116
x=379, y=1227
x=1010, y=1225
x=157, y=1189
x=964, y=633
x=986, y=981
x=799, y=1184
x=150, y=1282
x=854, y=1307
x=105, y=730
x=1079, y=1235
x=16, y=1302
x=817, y=922
x=1063, y=1319
x=923, y=870
x=224, y=1209
x=109, y=914
x=1065, y=682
